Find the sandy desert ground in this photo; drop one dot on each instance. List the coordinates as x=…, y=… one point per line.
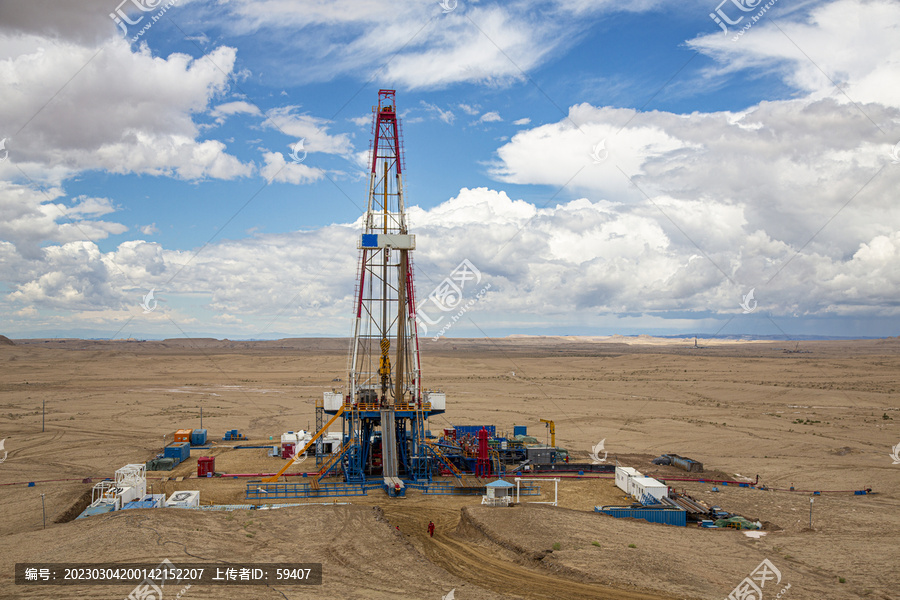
x=821, y=418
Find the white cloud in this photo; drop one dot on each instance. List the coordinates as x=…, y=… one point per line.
x=522, y=121
x=29, y=218
x=490, y=117
x=870, y=73
x=313, y=130
x=570, y=261
x=134, y=111
x=446, y=116
x=149, y=229
x=277, y=169
x=362, y=121
x=469, y=110
x=223, y=111
x=418, y=46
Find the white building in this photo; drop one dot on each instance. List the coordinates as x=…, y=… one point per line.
x=624, y=476
x=647, y=490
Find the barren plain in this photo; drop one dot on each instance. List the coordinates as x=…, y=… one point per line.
x=818, y=416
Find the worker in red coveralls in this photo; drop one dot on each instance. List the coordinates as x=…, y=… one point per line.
x=431, y=528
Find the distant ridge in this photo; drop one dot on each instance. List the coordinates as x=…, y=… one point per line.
x=5, y=341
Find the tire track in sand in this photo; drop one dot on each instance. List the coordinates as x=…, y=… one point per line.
x=480, y=567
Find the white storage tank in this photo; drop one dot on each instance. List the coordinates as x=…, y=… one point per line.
x=184, y=499
x=623, y=476
x=647, y=490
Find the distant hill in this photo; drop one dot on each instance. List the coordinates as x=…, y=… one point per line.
x=5, y=341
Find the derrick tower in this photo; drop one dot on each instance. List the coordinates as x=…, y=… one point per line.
x=384, y=410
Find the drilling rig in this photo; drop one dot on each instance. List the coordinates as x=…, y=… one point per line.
x=384, y=411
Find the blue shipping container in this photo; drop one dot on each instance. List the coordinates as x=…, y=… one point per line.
x=520, y=430
x=653, y=515
x=198, y=437
x=180, y=451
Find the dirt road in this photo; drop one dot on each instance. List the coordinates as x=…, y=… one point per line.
x=487, y=567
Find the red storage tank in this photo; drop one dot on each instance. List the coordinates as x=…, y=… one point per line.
x=206, y=464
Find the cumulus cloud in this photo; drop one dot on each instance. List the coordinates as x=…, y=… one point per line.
x=30, y=218
x=548, y=265
x=277, y=169
x=135, y=111
x=313, y=130
x=490, y=117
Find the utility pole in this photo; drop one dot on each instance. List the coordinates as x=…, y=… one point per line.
x=43, y=412
x=43, y=511
x=810, y=512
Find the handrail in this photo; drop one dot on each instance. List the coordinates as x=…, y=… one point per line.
x=444, y=459
x=333, y=459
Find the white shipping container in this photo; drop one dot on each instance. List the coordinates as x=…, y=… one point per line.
x=623, y=477
x=642, y=487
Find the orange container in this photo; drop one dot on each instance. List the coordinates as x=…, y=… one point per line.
x=183, y=435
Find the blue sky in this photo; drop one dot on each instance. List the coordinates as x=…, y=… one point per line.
x=762, y=158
